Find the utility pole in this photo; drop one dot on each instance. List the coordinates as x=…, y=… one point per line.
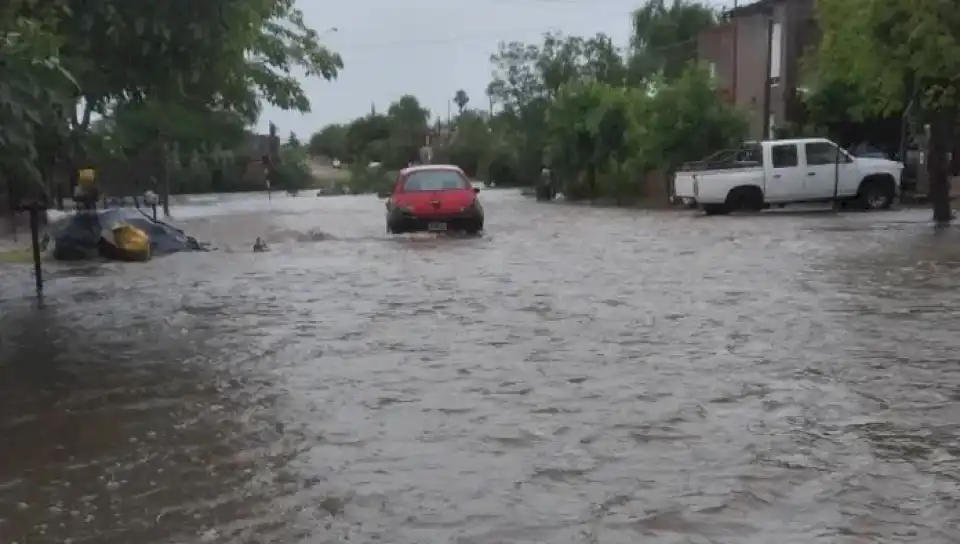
x=736, y=51
x=767, y=128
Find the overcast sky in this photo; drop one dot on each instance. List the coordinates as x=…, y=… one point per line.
x=430, y=48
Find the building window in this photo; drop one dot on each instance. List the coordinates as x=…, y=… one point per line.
x=776, y=52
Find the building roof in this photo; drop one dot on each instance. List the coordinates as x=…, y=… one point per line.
x=760, y=6
x=258, y=144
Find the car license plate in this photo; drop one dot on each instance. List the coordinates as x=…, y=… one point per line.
x=436, y=227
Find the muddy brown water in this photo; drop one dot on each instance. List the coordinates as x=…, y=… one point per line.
x=575, y=375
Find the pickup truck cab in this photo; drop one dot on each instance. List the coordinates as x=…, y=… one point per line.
x=781, y=172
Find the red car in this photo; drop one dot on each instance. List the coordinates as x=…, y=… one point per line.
x=434, y=198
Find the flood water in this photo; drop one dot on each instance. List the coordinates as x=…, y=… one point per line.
x=574, y=376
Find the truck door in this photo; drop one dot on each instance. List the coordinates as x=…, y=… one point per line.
x=826, y=165
x=784, y=175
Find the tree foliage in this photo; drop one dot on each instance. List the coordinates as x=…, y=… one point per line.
x=889, y=49
x=31, y=104
x=329, y=142
x=567, y=104
x=687, y=120
x=167, y=75
x=895, y=53
x=664, y=39
x=590, y=125
x=461, y=99
x=605, y=139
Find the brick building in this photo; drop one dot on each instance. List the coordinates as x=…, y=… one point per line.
x=755, y=54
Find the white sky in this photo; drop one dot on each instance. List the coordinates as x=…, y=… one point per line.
x=431, y=48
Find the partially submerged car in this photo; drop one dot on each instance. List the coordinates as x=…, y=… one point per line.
x=120, y=234
x=434, y=198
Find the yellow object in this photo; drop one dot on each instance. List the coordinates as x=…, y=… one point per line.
x=133, y=243
x=16, y=256
x=86, y=177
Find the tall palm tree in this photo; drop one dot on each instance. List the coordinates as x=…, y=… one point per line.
x=461, y=99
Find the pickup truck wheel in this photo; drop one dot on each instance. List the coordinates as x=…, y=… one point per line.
x=876, y=193
x=716, y=209
x=745, y=198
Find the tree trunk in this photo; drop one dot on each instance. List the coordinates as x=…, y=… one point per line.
x=165, y=179
x=73, y=179
x=941, y=132
x=165, y=190
x=955, y=153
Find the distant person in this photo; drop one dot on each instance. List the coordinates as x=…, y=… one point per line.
x=545, y=188
x=86, y=193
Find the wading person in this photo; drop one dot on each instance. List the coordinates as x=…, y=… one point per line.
x=86, y=194
x=545, y=189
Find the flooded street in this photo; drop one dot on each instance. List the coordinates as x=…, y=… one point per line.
x=574, y=376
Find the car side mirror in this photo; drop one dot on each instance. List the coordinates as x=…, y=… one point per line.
x=476, y=190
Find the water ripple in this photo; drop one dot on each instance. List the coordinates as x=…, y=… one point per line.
x=575, y=375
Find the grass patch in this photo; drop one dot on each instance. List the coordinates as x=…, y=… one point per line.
x=16, y=256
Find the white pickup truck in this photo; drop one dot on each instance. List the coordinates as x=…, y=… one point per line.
x=780, y=172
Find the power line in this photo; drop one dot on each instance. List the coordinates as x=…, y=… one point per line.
x=500, y=36
x=453, y=39
x=506, y=35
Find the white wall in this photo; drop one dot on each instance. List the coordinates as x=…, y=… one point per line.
x=776, y=52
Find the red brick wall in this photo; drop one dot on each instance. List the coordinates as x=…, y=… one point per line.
x=798, y=35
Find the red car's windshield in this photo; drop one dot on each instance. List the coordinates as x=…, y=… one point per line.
x=435, y=180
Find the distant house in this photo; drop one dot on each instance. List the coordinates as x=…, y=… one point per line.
x=259, y=146
x=754, y=55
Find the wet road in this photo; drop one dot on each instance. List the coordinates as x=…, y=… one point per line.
x=576, y=375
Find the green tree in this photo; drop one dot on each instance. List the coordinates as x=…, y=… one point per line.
x=330, y=142
x=461, y=99
x=408, y=131
x=293, y=142
x=200, y=143
x=687, y=120
x=191, y=128
x=589, y=125
x=528, y=77
x=366, y=138
x=392, y=139
x=604, y=140
x=34, y=91
x=664, y=39
x=525, y=73
x=225, y=52
x=292, y=174
x=470, y=145
x=565, y=103
x=225, y=55
x=896, y=52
